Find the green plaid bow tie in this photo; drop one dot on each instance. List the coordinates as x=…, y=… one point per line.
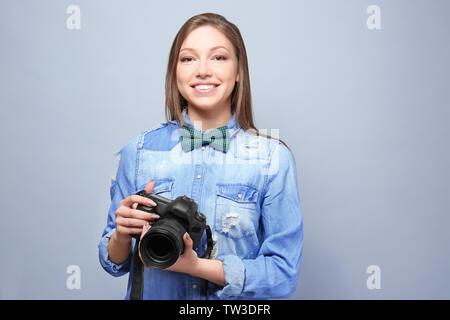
x=193, y=138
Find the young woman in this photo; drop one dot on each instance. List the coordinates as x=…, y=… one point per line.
x=244, y=182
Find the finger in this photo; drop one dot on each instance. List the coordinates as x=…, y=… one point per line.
x=145, y=229
x=127, y=202
x=143, y=215
x=130, y=231
x=136, y=214
x=188, y=241
x=149, y=187
x=150, y=204
x=130, y=222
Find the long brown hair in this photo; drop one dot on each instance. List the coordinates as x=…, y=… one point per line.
x=241, y=100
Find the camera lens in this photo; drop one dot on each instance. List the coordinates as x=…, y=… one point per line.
x=163, y=244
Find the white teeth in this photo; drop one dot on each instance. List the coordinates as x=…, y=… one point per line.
x=204, y=86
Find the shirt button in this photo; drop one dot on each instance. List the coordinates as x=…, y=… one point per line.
x=199, y=176
x=240, y=196
x=203, y=148
x=194, y=286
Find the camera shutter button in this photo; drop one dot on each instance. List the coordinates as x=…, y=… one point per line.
x=194, y=286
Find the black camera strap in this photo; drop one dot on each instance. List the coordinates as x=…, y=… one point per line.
x=209, y=243
x=138, y=274
x=138, y=267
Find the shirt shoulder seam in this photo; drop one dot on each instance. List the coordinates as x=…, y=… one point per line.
x=144, y=133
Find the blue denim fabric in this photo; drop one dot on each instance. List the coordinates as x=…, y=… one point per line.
x=249, y=196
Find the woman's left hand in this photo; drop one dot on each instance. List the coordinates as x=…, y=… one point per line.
x=188, y=261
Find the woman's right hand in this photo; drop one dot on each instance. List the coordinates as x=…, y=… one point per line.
x=130, y=220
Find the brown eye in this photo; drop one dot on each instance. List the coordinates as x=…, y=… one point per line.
x=186, y=59
x=221, y=58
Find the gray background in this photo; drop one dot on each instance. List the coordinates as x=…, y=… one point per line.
x=365, y=112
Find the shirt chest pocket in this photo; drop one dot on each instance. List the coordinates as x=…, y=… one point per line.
x=163, y=187
x=236, y=214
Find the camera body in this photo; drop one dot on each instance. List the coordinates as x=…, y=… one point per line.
x=163, y=243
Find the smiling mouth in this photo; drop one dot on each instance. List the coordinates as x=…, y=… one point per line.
x=205, y=88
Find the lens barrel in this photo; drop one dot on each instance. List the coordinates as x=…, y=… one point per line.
x=163, y=244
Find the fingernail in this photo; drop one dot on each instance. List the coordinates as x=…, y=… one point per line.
x=150, y=201
x=156, y=216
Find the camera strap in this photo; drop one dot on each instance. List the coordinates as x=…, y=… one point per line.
x=138, y=274
x=209, y=243
x=138, y=267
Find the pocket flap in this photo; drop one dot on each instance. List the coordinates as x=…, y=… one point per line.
x=238, y=192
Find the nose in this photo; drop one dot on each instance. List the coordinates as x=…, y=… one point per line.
x=203, y=69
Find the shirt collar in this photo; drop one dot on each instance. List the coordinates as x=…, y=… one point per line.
x=231, y=123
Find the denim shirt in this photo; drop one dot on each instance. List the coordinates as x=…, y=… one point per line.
x=249, y=196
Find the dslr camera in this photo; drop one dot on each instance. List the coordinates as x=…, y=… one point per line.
x=163, y=243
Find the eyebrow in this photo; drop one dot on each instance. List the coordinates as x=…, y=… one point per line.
x=213, y=48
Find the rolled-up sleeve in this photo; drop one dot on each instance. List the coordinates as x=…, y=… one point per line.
x=122, y=185
x=234, y=271
x=274, y=272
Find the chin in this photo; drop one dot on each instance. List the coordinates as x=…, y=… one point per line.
x=204, y=106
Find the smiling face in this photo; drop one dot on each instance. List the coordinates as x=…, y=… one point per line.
x=207, y=70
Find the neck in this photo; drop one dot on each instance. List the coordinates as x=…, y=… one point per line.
x=209, y=119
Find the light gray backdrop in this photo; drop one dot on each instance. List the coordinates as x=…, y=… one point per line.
x=365, y=111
